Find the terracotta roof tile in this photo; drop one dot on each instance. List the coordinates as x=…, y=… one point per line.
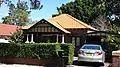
x=68, y=22
x=7, y=30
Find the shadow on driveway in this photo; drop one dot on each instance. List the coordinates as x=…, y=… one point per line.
x=91, y=64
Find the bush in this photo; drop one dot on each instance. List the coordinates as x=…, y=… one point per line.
x=37, y=51
x=17, y=37
x=114, y=42
x=68, y=52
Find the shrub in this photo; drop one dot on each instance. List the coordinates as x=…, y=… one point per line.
x=114, y=42
x=68, y=52
x=17, y=36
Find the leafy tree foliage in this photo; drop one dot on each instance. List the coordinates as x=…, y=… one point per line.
x=114, y=41
x=35, y=4
x=17, y=37
x=84, y=10
x=113, y=9
x=101, y=23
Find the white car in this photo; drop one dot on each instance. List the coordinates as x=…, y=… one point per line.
x=91, y=53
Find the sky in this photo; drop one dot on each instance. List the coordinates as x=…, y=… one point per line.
x=49, y=8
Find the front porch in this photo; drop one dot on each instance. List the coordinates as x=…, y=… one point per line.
x=53, y=38
x=46, y=38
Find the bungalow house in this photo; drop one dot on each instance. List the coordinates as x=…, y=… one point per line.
x=61, y=29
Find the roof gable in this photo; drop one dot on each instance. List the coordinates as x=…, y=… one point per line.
x=43, y=20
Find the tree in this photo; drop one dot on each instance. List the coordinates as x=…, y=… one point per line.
x=35, y=4
x=18, y=15
x=101, y=23
x=84, y=10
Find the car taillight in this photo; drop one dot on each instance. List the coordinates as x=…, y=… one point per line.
x=98, y=53
x=81, y=52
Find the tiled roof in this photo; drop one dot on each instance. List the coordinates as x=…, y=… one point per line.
x=65, y=21
x=69, y=22
x=59, y=27
x=7, y=30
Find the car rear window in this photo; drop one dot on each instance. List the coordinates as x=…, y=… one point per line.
x=91, y=47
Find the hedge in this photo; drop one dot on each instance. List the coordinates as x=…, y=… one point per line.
x=37, y=51
x=68, y=51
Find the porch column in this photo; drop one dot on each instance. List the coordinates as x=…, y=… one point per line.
x=27, y=39
x=63, y=41
x=32, y=39
x=57, y=39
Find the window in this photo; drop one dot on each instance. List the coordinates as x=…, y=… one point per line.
x=91, y=47
x=73, y=40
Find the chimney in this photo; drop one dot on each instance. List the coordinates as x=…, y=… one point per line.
x=54, y=15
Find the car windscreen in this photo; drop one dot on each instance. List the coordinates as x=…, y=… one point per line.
x=91, y=47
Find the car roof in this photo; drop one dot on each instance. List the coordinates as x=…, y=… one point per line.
x=91, y=45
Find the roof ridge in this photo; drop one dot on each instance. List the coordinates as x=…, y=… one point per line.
x=8, y=24
x=60, y=25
